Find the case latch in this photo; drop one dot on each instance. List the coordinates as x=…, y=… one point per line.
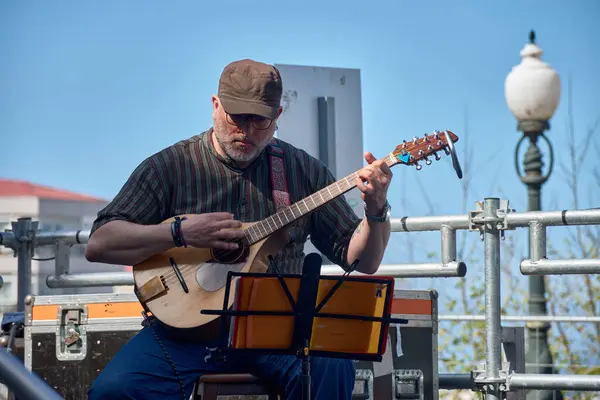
x=409, y=384
x=71, y=335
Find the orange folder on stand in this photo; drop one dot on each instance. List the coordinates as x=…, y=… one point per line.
x=355, y=297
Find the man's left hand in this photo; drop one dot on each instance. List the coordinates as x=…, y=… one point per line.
x=373, y=181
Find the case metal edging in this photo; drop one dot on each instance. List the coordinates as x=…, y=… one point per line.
x=412, y=294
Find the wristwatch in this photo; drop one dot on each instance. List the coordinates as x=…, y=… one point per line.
x=385, y=215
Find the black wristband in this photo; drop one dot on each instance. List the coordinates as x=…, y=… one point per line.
x=177, y=233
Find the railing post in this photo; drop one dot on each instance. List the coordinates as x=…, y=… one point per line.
x=493, y=330
x=448, y=235
x=24, y=233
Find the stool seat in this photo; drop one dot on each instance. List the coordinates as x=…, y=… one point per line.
x=229, y=378
x=211, y=386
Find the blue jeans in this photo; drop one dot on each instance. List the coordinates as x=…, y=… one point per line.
x=140, y=370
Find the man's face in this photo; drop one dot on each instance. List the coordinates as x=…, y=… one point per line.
x=241, y=137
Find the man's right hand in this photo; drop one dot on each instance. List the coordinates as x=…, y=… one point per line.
x=212, y=230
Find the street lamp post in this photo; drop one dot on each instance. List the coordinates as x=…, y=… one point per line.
x=532, y=92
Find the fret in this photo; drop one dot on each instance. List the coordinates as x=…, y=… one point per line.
x=280, y=221
x=248, y=235
x=314, y=202
x=267, y=220
x=260, y=225
x=253, y=233
x=271, y=224
x=320, y=192
x=306, y=205
x=287, y=219
x=329, y=192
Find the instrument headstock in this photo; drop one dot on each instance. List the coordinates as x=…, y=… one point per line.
x=421, y=148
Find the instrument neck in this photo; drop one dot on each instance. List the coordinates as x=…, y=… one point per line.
x=289, y=214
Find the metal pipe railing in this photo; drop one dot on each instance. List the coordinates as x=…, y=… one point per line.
x=523, y=318
x=456, y=381
x=97, y=279
x=554, y=381
x=560, y=267
x=23, y=383
x=90, y=279
x=425, y=270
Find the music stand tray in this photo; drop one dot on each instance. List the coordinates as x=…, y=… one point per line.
x=325, y=316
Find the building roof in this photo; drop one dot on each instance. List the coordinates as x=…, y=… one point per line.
x=13, y=188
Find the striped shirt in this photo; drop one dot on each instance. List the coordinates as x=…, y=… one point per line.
x=190, y=177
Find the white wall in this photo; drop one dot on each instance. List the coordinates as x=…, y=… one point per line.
x=12, y=208
x=298, y=125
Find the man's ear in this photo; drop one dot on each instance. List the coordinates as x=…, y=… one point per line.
x=216, y=105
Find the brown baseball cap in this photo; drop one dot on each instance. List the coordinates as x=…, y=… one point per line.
x=251, y=87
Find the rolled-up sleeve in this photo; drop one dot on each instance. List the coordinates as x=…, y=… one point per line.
x=142, y=199
x=333, y=224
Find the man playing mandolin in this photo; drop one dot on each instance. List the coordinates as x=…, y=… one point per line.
x=220, y=179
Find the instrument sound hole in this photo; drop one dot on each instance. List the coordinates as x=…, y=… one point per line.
x=230, y=256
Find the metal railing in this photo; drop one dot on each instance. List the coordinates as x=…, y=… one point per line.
x=490, y=219
x=24, y=384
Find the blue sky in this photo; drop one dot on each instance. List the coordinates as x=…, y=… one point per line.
x=89, y=89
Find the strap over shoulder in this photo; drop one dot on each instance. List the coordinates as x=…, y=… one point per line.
x=281, y=196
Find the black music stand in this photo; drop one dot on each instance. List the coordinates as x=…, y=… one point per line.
x=305, y=312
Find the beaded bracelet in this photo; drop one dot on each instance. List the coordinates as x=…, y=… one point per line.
x=176, y=232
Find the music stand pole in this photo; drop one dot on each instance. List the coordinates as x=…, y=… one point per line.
x=309, y=285
x=305, y=373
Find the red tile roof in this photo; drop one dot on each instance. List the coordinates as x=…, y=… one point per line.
x=11, y=188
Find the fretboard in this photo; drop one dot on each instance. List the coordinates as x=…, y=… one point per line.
x=289, y=214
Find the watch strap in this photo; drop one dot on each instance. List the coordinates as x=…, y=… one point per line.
x=379, y=218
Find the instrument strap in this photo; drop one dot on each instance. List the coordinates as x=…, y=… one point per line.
x=281, y=196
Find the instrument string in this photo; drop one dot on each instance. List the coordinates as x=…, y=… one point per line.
x=184, y=269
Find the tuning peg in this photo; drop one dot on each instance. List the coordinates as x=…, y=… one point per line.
x=417, y=166
x=427, y=160
x=437, y=156
x=446, y=151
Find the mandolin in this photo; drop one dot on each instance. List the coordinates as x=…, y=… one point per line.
x=176, y=285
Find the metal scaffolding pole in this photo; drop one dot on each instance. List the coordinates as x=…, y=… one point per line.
x=523, y=318
x=456, y=381
x=493, y=330
x=25, y=384
x=24, y=233
x=90, y=279
x=554, y=382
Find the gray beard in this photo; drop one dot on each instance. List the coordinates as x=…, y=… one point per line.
x=235, y=155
